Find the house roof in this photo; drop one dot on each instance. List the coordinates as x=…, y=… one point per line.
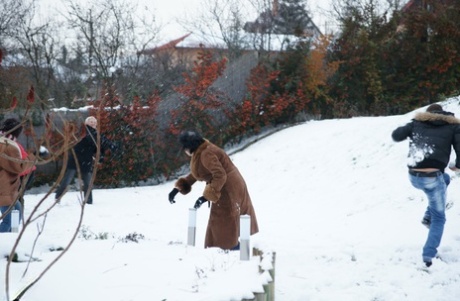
x=408, y=5
x=173, y=43
x=170, y=45
x=412, y=4
x=189, y=40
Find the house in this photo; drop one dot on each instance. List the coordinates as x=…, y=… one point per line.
x=275, y=22
x=411, y=5
x=182, y=51
x=416, y=4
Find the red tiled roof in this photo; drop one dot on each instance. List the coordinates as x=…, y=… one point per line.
x=408, y=5
x=170, y=45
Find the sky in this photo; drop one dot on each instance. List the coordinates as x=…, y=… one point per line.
x=171, y=13
x=334, y=204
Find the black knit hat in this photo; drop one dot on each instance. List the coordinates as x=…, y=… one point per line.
x=190, y=140
x=11, y=126
x=434, y=108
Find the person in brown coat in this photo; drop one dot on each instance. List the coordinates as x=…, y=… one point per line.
x=11, y=166
x=225, y=189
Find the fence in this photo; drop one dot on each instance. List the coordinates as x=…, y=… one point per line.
x=267, y=260
x=267, y=269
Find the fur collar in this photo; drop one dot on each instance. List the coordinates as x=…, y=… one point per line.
x=7, y=141
x=197, y=154
x=200, y=148
x=437, y=117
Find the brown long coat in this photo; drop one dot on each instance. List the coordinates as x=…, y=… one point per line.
x=11, y=166
x=227, y=191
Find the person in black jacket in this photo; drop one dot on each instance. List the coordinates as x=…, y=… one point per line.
x=432, y=135
x=85, y=153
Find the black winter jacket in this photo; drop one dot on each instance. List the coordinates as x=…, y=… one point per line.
x=86, y=150
x=432, y=136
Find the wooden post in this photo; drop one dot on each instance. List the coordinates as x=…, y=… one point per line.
x=191, y=227
x=260, y=296
x=257, y=297
x=256, y=252
x=245, y=233
x=271, y=295
x=268, y=293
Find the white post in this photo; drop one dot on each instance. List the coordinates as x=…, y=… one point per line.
x=191, y=226
x=15, y=220
x=245, y=233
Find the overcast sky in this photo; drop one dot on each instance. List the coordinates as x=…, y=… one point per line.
x=168, y=12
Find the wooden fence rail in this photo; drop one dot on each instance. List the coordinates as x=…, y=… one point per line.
x=267, y=268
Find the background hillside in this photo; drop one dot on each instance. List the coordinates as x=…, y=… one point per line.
x=333, y=201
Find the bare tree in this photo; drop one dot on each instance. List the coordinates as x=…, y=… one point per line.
x=38, y=50
x=111, y=35
x=262, y=28
x=11, y=14
x=66, y=135
x=31, y=52
x=221, y=22
x=138, y=74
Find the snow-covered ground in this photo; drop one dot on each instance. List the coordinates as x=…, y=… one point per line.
x=333, y=200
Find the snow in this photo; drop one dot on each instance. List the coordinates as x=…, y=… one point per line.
x=336, y=213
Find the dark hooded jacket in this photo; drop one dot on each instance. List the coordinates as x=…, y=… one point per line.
x=86, y=150
x=432, y=135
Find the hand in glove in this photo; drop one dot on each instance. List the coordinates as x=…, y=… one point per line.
x=200, y=202
x=172, y=194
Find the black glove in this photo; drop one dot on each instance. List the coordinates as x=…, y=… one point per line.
x=200, y=202
x=172, y=194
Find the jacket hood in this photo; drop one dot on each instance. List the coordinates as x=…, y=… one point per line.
x=437, y=118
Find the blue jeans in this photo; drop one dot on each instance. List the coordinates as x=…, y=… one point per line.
x=68, y=177
x=427, y=214
x=435, y=189
x=5, y=225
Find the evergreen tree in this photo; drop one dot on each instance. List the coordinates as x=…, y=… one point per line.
x=425, y=55
x=357, y=85
x=292, y=18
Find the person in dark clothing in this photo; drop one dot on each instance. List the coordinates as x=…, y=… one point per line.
x=432, y=135
x=85, y=152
